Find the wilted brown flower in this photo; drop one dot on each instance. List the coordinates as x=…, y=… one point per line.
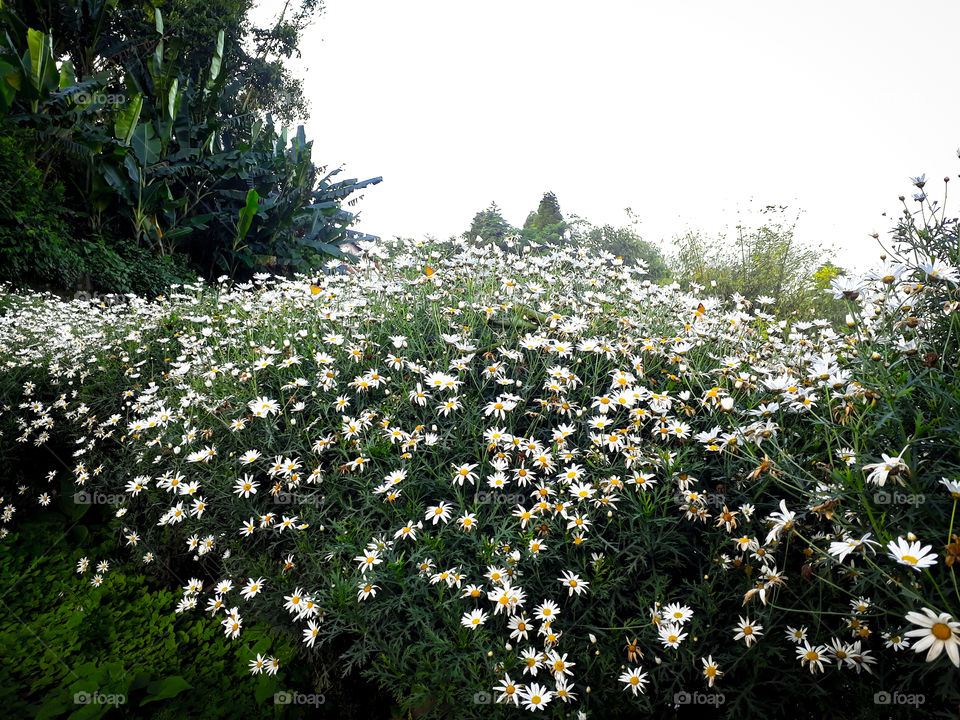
x=827, y=508
x=953, y=551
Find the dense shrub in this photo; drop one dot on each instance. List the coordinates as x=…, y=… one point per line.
x=403, y=464
x=35, y=244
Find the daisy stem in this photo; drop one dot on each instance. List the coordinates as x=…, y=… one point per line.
x=809, y=612
x=953, y=514
x=908, y=590
x=939, y=591
x=624, y=627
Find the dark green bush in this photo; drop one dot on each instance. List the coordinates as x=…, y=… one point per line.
x=34, y=236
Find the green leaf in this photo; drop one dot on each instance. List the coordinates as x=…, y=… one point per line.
x=158, y=19
x=13, y=80
x=155, y=64
x=133, y=172
x=127, y=120
x=215, y=63
x=146, y=144
x=247, y=214
x=9, y=84
x=167, y=688
x=173, y=97
x=36, y=42
x=324, y=247
x=67, y=74
x=177, y=233
x=50, y=77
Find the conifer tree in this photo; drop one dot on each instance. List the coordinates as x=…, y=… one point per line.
x=490, y=226
x=546, y=225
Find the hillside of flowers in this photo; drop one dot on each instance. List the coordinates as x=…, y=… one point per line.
x=496, y=484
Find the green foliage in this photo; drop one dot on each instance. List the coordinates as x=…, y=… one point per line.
x=157, y=130
x=35, y=244
x=64, y=639
x=489, y=226
x=625, y=244
x=107, y=35
x=546, y=225
x=39, y=247
x=761, y=262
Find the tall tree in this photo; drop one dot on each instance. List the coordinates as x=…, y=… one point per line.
x=116, y=36
x=490, y=226
x=546, y=225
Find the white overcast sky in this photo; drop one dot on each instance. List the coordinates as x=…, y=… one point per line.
x=689, y=112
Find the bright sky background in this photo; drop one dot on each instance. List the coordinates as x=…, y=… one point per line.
x=689, y=112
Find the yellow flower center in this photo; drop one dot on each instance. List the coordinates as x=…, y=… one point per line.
x=941, y=631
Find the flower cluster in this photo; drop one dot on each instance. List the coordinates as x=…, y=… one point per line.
x=526, y=455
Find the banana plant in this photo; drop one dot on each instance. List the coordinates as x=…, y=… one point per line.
x=33, y=75
x=247, y=213
x=164, y=138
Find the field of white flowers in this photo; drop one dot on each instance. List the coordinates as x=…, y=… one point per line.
x=502, y=484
